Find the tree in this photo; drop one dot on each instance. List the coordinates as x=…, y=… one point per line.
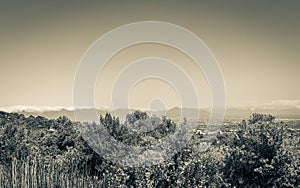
x=256, y=158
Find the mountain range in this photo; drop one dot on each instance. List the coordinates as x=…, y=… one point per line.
x=282, y=109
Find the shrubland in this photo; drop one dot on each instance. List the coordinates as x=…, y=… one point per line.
x=40, y=152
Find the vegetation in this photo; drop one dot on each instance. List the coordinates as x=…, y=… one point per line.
x=38, y=152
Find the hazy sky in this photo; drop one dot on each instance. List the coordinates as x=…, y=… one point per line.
x=257, y=44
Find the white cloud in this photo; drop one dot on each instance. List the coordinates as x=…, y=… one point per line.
x=276, y=104
x=35, y=108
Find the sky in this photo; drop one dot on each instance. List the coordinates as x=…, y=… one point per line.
x=256, y=44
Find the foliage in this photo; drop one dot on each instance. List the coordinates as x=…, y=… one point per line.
x=38, y=152
x=259, y=154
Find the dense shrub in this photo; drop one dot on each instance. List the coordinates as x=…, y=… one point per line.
x=259, y=154
x=37, y=152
